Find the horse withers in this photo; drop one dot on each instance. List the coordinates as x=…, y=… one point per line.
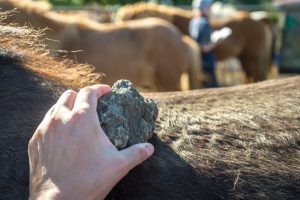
x=206, y=145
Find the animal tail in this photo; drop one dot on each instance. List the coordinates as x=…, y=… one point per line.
x=195, y=66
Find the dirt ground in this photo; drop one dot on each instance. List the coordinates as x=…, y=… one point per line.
x=230, y=73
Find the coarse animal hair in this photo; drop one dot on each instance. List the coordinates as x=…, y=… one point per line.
x=245, y=136
x=31, y=51
x=232, y=143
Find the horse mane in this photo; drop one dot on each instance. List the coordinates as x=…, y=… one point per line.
x=27, y=45
x=44, y=11
x=151, y=9
x=37, y=6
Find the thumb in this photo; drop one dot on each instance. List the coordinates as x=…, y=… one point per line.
x=136, y=154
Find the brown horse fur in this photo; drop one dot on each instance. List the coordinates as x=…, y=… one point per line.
x=29, y=42
x=151, y=53
x=247, y=136
x=232, y=143
x=179, y=17
x=251, y=41
x=98, y=15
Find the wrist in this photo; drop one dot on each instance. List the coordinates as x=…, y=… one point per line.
x=57, y=194
x=45, y=194
x=45, y=189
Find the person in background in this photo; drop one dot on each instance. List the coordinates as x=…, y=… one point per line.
x=200, y=30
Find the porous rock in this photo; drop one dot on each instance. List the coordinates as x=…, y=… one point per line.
x=125, y=116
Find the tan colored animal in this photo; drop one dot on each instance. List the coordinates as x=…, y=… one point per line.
x=151, y=53
x=177, y=16
x=250, y=41
x=100, y=16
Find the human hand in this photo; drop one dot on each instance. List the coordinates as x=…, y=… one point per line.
x=70, y=156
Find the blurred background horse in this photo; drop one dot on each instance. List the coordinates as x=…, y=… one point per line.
x=133, y=50
x=251, y=41
x=177, y=16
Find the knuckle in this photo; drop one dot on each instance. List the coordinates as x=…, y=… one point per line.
x=141, y=152
x=50, y=125
x=54, y=121
x=31, y=143
x=35, y=137
x=69, y=92
x=39, y=131
x=87, y=89
x=78, y=114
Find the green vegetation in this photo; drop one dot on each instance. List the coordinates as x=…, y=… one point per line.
x=175, y=2
x=83, y=2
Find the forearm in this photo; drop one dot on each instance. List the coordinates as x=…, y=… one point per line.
x=208, y=47
x=52, y=193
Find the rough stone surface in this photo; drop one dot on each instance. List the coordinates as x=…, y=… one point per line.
x=126, y=117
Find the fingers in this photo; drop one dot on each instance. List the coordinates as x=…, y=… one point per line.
x=136, y=154
x=48, y=114
x=87, y=97
x=67, y=99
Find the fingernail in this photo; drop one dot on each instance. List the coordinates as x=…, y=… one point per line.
x=150, y=149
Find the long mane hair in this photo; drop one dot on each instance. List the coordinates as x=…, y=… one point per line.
x=29, y=46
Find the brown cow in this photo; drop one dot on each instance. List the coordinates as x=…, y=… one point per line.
x=251, y=41
x=151, y=53
x=232, y=143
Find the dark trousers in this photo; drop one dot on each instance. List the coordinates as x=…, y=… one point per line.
x=209, y=61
